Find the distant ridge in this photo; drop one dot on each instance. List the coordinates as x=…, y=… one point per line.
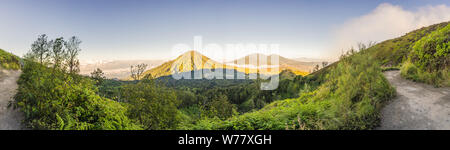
x=119, y=69
x=297, y=67
x=185, y=63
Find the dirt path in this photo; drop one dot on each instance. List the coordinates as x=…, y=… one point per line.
x=10, y=119
x=417, y=106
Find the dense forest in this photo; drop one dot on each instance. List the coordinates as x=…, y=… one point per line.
x=347, y=94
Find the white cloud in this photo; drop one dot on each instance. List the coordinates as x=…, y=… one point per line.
x=387, y=21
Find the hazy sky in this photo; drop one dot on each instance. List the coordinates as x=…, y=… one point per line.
x=138, y=29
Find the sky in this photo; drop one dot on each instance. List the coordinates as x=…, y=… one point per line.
x=148, y=29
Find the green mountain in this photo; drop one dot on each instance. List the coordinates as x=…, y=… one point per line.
x=185, y=63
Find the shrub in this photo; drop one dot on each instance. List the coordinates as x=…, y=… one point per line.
x=152, y=106
x=409, y=71
x=432, y=52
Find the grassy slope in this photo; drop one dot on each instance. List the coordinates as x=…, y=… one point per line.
x=395, y=51
x=402, y=52
x=9, y=61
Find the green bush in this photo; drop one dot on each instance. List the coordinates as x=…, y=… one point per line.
x=432, y=52
x=152, y=106
x=409, y=71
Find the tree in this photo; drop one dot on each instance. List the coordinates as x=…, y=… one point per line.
x=58, y=53
x=138, y=70
x=324, y=64
x=316, y=68
x=221, y=107
x=152, y=105
x=292, y=89
x=73, y=48
x=98, y=76
x=40, y=49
